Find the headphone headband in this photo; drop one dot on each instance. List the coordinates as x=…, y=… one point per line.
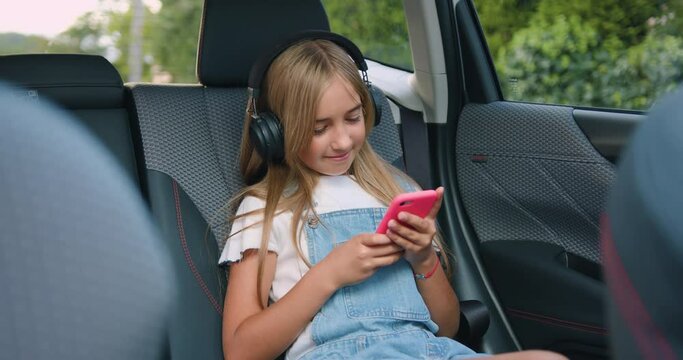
x=265, y=129
x=258, y=71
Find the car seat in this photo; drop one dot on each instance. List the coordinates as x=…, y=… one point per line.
x=83, y=271
x=642, y=240
x=88, y=86
x=191, y=136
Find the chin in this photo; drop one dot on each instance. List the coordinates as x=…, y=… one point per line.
x=334, y=172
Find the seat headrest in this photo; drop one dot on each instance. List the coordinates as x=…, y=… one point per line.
x=74, y=81
x=235, y=33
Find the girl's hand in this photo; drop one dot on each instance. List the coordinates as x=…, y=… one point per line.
x=358, y=258
x=416, y=238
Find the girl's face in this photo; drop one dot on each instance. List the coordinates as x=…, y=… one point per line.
x=339, y=130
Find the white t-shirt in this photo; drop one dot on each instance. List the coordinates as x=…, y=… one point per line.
x=332, y=193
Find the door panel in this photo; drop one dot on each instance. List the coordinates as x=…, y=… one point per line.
x=527, y=172
x=552, y=298
x=533, y=188
x=532, y=183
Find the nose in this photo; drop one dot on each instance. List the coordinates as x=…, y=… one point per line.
x=342, y=139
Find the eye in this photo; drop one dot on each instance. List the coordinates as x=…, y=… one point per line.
x=320, y=130
x=354, y=118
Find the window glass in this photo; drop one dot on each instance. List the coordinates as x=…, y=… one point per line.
x=146, y=40
x=609, y=53
x=377, y=27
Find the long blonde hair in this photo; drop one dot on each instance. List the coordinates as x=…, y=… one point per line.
x=293, y=86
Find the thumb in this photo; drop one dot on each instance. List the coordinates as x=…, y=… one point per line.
x=437, y=204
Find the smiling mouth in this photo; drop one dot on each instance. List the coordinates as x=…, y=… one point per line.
x=340, y=157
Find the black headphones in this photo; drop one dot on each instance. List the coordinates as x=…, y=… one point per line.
x=265, y=130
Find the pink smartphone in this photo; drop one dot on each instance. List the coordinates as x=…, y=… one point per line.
x=418, y=203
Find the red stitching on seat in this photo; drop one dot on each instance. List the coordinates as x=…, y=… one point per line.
x=186, y=250
x=652, y=343
x=558, y=322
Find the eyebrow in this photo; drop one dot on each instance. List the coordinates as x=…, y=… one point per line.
x=358, y=107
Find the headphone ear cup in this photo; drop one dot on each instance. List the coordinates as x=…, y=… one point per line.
x=376, y=96
x=266, y=135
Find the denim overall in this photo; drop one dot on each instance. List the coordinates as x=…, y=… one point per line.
x=383, y=317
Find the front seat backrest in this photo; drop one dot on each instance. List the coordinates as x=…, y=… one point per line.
x=642, y=240
x=83, y=273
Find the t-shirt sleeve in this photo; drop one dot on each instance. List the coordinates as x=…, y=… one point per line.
x=246, y=232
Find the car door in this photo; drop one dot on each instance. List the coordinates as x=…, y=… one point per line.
x=526, y=170
x=528, y=180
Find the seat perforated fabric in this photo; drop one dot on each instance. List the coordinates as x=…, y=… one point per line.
x=193, y=134
x=523, y=168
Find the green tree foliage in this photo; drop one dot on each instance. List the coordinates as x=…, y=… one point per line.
x=174, y=37
x=670, y=20
x=616, y=21
x=383, y=38
x=554, y=63
x=118, y=28
x=104, y=33
x=648, y=70
x=13, y=43
x=83, y=37
x=612, y=53
x=170, y=39
x=608, y=53
x=498, y=22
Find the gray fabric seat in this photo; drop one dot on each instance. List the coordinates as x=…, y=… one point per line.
x=83, y=273
x=86, y=85
x=191, y=136
x=642, y=237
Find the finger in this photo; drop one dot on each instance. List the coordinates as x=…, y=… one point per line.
x=417, y=223
x=381, y=246
x=387, y=260
x=404, y=243
x=375, y=240
x=404, y=231
x=384, y=250
x=437, y=204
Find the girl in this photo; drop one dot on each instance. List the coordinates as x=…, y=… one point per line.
x=307, y=273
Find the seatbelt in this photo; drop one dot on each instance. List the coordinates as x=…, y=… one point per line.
x=415, y=147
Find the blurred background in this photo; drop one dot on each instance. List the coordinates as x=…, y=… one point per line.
x=605, y=54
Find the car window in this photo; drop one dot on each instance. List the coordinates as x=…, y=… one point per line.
x=607, y=54
x=378, y=27
x=144, y=39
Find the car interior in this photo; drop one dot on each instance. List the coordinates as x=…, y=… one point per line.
x=642, y=205
x=84, y=271
x=526, y=183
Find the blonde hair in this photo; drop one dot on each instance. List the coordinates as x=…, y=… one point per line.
x=293, y=86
